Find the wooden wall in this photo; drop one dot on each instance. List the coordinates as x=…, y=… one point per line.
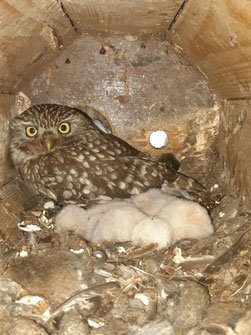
x=235, y=145
x=141, y=85
x=127, y=17
x=30, y=33
x=33, y=31
x=7, y=111
x=214, y=36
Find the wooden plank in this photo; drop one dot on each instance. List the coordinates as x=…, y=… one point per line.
x=7, y=111
x=235, y=147
x=31, y=31
x=215, y=35
x=130, y=17
x=12, y=197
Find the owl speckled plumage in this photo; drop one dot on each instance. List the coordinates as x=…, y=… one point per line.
x=60, y=153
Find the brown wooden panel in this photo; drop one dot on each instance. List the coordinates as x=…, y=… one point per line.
x=7, y=111
x=216, y=37
x=141, y=16
x=31, y=31
x=11, y=194
x=235, y=147
x=12, y=199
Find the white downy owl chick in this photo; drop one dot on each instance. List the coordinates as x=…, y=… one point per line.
x=117, y=220
x=122, y=221
x=83, y=222
x=117, y=223
x=152, y=230
x=151, y=217
x=72, y=219
x=99, y=216
x=188, y=219
x=152, y=201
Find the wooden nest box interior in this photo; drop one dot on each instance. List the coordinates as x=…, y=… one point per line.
x=181, y=67
x=166, y=76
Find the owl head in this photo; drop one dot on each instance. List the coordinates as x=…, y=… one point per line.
x=43, y=128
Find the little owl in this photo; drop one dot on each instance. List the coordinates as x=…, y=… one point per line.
x=60, y=153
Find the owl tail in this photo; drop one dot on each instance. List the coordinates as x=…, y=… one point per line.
x=183, y=182
x=177, y=179
x=170, y=161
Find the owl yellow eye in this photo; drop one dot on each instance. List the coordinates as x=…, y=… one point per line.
x=64, y=128
x=31, y=131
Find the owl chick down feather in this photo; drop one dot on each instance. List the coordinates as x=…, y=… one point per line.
x=150, y=217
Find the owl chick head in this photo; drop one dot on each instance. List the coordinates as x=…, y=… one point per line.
x=43, y=128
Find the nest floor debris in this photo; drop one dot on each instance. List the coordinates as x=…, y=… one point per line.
x=60, y=284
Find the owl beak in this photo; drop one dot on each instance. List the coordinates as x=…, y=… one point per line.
x=48, y=144
x=49, y=141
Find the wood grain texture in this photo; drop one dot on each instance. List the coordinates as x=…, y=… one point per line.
x=235, y=149
x=12, y=196
x=31, y=31
x=215, y=35
x=142, y=86
x=130, y=17
x=12, y=199
x=7, y=111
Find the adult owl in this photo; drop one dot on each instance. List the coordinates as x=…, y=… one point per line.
x=60, y=153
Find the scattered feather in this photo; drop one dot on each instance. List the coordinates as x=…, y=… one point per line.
x=95, y=323
x=30, y=228
x=23, y=253
x=30, y=300
x=49, y=205
x=177, y=256
x=77, y=252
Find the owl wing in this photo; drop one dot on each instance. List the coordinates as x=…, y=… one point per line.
x=94, y=174
x=88, y=169
x=131, y=175
x=125, y=148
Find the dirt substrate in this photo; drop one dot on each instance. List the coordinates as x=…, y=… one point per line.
x=59, y=284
